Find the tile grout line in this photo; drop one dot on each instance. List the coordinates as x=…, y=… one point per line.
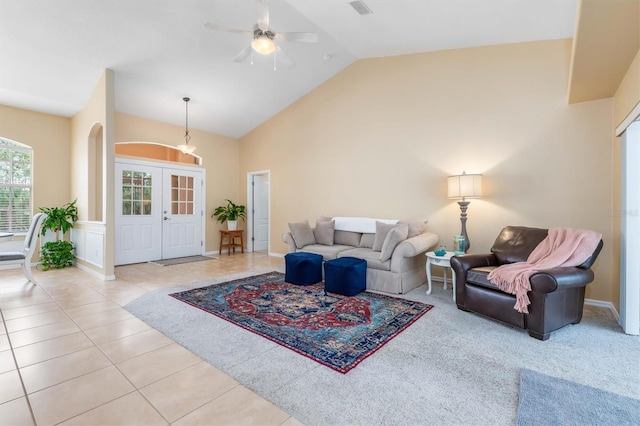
x=15, y=363
x=97, y=347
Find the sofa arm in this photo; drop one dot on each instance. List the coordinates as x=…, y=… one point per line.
x=416, y=245
x=549, y=280
x=288, y=238
x=461, y=264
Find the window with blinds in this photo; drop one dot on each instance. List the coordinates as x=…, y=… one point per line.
x=15, y=186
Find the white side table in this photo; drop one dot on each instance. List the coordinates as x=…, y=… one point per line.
x=445, y=262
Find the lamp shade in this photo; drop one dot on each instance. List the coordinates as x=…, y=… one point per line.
x=464, y=186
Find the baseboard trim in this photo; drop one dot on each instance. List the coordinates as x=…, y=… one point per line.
x=94, y=273
x=603, y=304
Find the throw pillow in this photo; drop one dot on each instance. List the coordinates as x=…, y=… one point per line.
x=323, y=232
x=367, y=240
x=382, y=229
x=302, y=234
x=393, y=238
x=347, y=238
x=416, y=227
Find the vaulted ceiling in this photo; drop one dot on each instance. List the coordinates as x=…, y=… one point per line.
x=53, y=52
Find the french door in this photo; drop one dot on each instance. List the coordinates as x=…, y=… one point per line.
x=158, y=212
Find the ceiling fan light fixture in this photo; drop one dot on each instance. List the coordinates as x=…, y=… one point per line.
x=263, y=45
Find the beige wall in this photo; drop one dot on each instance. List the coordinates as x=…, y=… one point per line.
x=380, y=138
x=96, y=115
x=220, y=157
x=50, y=138
x=93, y=113
x=625, y=100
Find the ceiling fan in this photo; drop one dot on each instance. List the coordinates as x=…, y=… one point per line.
x=263, y=38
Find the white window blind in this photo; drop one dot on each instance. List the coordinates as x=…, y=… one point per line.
x=15, y=186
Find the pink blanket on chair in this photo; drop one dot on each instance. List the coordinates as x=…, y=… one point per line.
x=561, y=247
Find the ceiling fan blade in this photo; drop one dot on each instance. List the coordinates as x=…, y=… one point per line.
x=284, y=59
x=263, y=14
x=298, y=37
x=243, y=54
x=229, y=30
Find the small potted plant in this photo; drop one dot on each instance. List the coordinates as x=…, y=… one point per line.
x=230, y=214
x=59, y=253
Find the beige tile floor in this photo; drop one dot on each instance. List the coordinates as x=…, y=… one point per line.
x=70, y=354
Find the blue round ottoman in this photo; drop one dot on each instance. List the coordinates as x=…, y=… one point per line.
x=303, y=268
x=345, y=275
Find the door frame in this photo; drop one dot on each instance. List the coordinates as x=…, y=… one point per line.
x=175, y=166
x=630, y=231
x=250, y=214
x=629, y=318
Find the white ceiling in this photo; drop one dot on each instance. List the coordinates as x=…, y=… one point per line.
x=52, y=53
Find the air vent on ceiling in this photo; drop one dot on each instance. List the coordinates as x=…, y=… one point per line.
x=361, y=8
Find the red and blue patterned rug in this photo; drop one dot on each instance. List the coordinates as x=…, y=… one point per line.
x=334, y=330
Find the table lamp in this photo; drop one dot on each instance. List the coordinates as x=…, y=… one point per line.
x=462, y=187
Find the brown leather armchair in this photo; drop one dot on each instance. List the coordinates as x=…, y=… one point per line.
x=557, y=295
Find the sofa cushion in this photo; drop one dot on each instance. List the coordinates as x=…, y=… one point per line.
x=372, y=258
x=515, y=243
x=302, y=234
x=393, y=238
x=323, y=232
x=382, y=229
x=479, y=276
x=367, y=240
x=347, y=238
x=327, y=252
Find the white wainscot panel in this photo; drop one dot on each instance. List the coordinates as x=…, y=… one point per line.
x=78, y=239
x=95, y=248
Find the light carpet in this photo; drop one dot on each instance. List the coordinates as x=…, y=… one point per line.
x=547, y=400
x=449, y=368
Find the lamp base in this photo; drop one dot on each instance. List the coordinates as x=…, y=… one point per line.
x=463, y=220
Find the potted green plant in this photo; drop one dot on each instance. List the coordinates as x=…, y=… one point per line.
x=230, y=214
x=59, y=253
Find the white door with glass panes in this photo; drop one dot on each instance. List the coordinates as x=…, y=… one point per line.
x=182, y=213
x=158, y=213
x=138, y=213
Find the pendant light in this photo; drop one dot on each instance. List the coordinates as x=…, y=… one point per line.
x=186, y=148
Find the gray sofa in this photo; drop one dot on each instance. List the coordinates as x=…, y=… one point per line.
x=394, y=250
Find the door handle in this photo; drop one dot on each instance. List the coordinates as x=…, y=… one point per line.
x=167, y=218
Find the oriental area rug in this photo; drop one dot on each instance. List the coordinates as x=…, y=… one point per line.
x=334, y=330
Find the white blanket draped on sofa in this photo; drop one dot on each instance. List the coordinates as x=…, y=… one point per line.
x=365, y=225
